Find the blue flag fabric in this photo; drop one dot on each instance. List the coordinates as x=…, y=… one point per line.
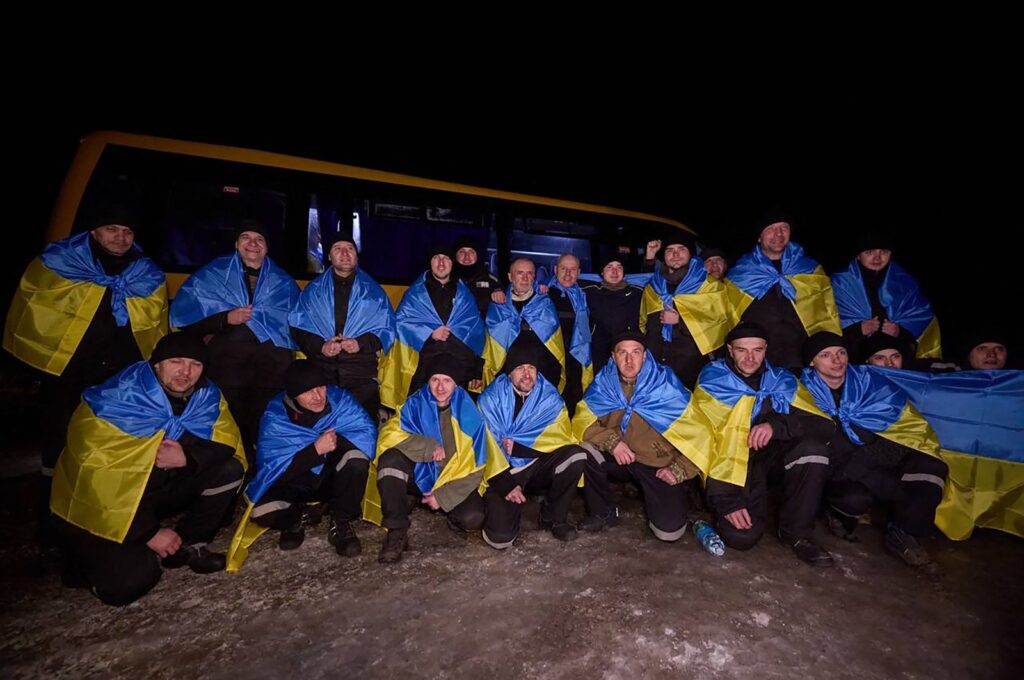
x=220, y=286
x=369, y=309
x=72, y=259
x=280, y=438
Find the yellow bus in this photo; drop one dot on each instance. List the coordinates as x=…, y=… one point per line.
x=190, y=195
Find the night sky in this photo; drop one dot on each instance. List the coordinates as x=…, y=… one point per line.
x=836, y=161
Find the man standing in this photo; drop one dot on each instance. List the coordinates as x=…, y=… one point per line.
x=239, y=304
x=437, y=318
x=614, y=307
x=785, y=292
x=530, y=422
x=527, y=319
x=574, y=318
x=87, y=307
x=154, y=440
x=343, y=321
x=684, y=312
x=470, y=269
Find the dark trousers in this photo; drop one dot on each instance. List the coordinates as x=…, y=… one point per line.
x=340, y=484
x=573, y=391
x=554, y=474
x=665, y=504
x=804, y=468
x=396, y=481
x=121, y=573
x=366, y=391
x=247, y=405
x=912, y=481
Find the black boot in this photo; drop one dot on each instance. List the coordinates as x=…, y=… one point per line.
x=395, y=541
x=196, y=557
x=344, y=540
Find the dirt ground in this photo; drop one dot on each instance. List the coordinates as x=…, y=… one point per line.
x=618, y=604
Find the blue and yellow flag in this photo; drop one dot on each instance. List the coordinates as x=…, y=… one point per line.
x=220, y=286
x=58, y=297
x=870, y=401
x=730, y=406
x=476, y=448
x=543, y=421
x=802, y=281
x=280, y=439
x=579, y=344
x=701, y=301
x=901, y=296
x=416, y=320
x=977, y=417
x=112, y=444
x=659, y=398
x=503, y=325
x=369, y=309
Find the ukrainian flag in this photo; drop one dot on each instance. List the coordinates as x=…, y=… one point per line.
x=220, y=286
x=802, y=280
x=369, y=309
x=977, y=416
x=58, y=297
x=701, y=301
x=579, y=345
x=503, y=323
x=730, y=406
x=542, y=424
x=475, y=448
x=280, y=439
x=659, y=398
x=416, y=320
x=901, y=296
x=112, y=444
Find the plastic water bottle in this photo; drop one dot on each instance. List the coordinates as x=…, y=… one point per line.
x=708, y=538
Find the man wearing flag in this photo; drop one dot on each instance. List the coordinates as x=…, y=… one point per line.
x=344, y=321
x=437, y=317
x=638, y=424
x=155, y=440
x=239, y=304
x=530, y=422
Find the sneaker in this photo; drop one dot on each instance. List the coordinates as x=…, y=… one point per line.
x=906, y=547
x=812, y=553
x=292, y=538
x=842, y=526
x=196, y=557
x=608, y=518
x=344, y=540
x=395, y=541
x=563, y=531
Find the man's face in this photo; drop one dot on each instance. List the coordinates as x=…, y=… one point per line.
x=747, y=354
x=677, y=256
x=567, y=271
x=178, y=375
x=988, y=356
x=629, y=358
x=114, y=238
x=774, y=239
x=831, y=363
x=715, y=267
x=313, y=400
x=344, y=258
x=890, y=358
x=252, y=248
x=441, y=267
x=875, y=260
x=442, y=387
x=524, y=377
x=613, y=273
x=466, y=256
x=521, y=275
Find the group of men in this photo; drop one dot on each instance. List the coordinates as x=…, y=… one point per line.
x=707, y=380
